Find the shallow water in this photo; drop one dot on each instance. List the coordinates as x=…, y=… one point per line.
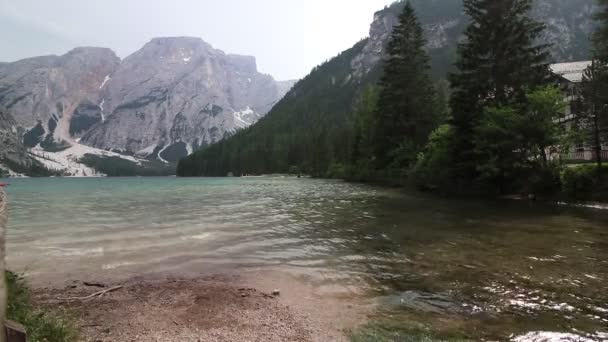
x=491, y=270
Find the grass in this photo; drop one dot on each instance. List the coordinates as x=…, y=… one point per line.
x=41, y=326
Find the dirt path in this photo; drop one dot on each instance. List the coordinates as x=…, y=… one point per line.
x=213, y=308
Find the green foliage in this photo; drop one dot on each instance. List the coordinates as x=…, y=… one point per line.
x=509, y=144
x=600, y=37
x=337, y=170
x=538, y=126
x=311, y=128
x=442, y=101
x=365, y=124
x=405, y=113
x=361, y=164
x=511, y=141
x=429, y=12
x=497, y=63
x=491, y=130
x=581, y=182
x=41, y=326
x=496, y=144
x=433, y=170
x=119, y=167
x=592, y=119
x=295, y=170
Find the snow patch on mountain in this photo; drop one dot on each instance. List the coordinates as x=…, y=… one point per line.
x=146, y=151
x=103, y=116
x=245, y=118
x=68, y=159
x=160, y=152
x=105, y=80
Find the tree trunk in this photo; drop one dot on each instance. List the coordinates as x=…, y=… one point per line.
x=543, y=153
x=598, y=143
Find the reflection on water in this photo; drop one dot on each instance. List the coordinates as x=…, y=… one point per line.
x=494, y=270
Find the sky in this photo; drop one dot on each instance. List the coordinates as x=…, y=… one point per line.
x=288, y=37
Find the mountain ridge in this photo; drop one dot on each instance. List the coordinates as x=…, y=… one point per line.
x=90, y=96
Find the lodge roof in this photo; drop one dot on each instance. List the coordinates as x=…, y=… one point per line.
x=572, y=72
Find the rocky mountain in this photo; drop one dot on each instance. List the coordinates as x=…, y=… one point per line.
x=164, y=101
x=568, y=27
x=41, y=93
x=15, y=159
x=176, y=95
x=11, y=147
x=39, y=96
x=315, y=117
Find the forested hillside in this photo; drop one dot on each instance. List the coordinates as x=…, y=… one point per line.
x=306, y=130
x=312, y=129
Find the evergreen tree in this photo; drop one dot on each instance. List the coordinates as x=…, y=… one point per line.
x=361, y=163
x=596, y=83
x=600, y=37
x=594, y=102
x=404, y=115
x=512, y=142
x=497, y=63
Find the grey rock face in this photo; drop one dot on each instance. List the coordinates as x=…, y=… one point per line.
x=178, y=94
x=569, y=23
x=167, y=99
x=43, y=92
x=11, y=147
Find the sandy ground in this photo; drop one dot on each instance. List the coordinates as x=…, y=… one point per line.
x=211, y=308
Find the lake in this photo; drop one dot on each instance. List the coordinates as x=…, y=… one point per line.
x=492, y=269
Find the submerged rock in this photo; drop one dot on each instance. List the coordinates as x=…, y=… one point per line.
x=422, y=301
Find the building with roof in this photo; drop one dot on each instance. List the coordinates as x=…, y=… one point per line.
x=570, y=77
x=570, y=72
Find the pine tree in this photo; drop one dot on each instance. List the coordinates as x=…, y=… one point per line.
x=597, y=79
x=497, y=63
x=361, y=161
x=404, y=115
x=593, y=90
x=363, y=125
x=600, y=37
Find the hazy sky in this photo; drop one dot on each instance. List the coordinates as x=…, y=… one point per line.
x=288, y=37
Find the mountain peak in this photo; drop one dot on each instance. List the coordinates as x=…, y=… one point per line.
x=245, y=64
x=177, y=42
x=90, y=50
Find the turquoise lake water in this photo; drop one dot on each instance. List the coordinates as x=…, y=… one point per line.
x=498, y=269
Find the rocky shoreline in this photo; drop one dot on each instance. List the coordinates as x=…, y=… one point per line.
x=212, y=308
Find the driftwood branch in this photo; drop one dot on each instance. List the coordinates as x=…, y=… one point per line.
x=96, y=294
x=86, y=283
